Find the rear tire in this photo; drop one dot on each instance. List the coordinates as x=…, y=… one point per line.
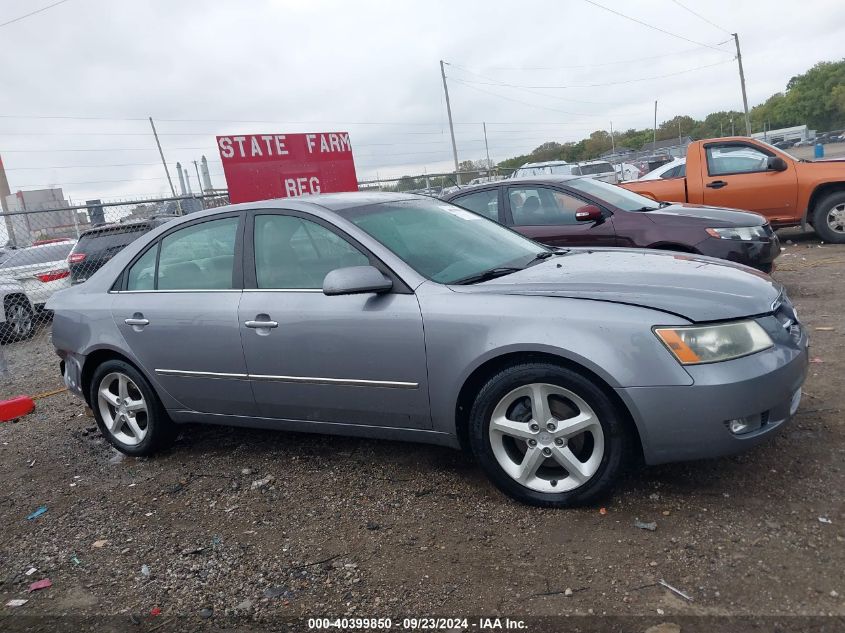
x=20, y=320
x=576, y=442
x=829, y=218
x=127, y=410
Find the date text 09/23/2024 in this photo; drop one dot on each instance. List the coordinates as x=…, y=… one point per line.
x=417, y=624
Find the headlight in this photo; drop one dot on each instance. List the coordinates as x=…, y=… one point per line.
x=712, y=343
x=745, y=233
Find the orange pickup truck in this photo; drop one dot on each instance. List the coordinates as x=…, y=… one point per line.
x=743, y=173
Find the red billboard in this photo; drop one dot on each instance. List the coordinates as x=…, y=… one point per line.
x=265, y=166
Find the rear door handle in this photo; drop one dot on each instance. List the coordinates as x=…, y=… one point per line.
x=261, y=324
x=138, y=322
x=716, y=184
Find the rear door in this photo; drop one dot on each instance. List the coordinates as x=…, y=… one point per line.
x=547, y=215
x=735, y=175
x=486, y=202
x=177, y=310
x=353, y=359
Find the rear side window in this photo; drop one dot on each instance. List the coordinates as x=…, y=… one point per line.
x=199, y=257
x=484, y=203
x=39, y=255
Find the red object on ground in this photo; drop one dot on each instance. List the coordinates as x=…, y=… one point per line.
x=40, y=584
x=155, y=611
x=266, y=166
x=15, y=408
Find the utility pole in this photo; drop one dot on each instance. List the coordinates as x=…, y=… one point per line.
x=733, y=132
x=612, y=142
x=680, y=142
x=163, y=162
x=721, y=130
x=742, y=83
x=654, y=144
x=451, y=126
x=487, y=147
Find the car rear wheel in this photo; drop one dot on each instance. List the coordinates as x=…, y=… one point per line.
x=20, y=320
x=829, y=218
x=128, y=411
x=547, y=436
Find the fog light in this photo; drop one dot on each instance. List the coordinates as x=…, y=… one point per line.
x=740, y=426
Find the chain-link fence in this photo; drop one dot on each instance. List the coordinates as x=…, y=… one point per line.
x=48, y=249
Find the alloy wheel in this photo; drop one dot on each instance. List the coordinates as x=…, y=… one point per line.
x=546, y=438
x=123, y=408
x=836, y=218
x=20, y=318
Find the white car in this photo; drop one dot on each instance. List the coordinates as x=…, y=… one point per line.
x=673, y=169
x=41, y=270
x=547, y=168
x=598, y=169
x=626, y=172
x=17, y=318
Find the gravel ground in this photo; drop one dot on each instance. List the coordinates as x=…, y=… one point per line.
x=263, y=525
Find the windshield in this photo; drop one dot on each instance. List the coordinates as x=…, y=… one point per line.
x=443, y=242
x=593, y=168
x=612, y=194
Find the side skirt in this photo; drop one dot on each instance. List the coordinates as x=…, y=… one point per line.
x=330, y=428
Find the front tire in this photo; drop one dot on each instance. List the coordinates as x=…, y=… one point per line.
x=547, y=436
x=20, y=320
x=829, y=218
x=127, y=410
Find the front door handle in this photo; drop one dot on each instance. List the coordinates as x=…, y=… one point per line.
x=139, y=322
x=261, y=324
x=716, y=184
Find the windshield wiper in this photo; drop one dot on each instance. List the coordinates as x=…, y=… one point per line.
x=542, y=256
x=646, y=209
x=486, y=275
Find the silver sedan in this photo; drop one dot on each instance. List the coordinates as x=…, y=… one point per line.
x=404, y=317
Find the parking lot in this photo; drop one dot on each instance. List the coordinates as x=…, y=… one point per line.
x=263, y=524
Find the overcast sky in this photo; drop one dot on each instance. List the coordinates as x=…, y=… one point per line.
x=207, y=67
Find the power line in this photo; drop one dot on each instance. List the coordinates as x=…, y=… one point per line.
x=701, y=17
x=611, y=83
x=41, y=10
x=651, y=26
x=495, y=94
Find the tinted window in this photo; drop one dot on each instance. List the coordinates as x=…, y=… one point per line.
x=38, y=255
x=735, y=159
x=294, y=253
x=142, y=273
x=441, y=241
x=199, y=257
x=485, y=203
x=107, y=240
x=537, y=206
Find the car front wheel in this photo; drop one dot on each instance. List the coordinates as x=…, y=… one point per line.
x=128, y=411
x=547, y=436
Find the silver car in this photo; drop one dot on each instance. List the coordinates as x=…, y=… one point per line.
x=40, y=269
x=403, y=317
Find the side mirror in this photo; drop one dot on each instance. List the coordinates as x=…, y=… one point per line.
x=588, y=213
x=355, y=280
x=776, y=163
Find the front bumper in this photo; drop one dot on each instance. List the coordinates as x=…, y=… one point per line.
x=678, y=423
x=758, y=254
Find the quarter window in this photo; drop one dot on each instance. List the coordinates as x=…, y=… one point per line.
x=293, y=253
x=143, y=272
x=199, y=257
x=735, y=159
x=484, y=203
x=541, y=206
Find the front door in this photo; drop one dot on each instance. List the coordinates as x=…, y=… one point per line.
x=178, y=312
x=548, y=216
x=353, y=359
x=736, y=175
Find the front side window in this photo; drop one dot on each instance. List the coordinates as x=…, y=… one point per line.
x=293, y=253
x=443, y=242
x=541, y=206
x=199, y=257
x=735, y=159
x=484, y=203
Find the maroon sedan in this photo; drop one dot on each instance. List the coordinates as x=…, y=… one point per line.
x=581, y=211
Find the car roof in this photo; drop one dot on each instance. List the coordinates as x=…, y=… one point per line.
x=558, y=179
x=115, y=227
x=546, y=163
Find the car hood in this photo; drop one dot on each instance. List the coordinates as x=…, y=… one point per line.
x=694, y=287
x=720, y=215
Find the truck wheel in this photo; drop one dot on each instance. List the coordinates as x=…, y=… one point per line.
x=829, y=218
